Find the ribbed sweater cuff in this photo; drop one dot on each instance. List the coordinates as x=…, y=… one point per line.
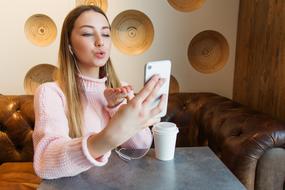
x=101, y=161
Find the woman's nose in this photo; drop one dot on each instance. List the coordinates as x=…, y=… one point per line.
x=99, y=42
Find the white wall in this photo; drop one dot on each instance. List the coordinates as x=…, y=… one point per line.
x=17, y=53
x=173, y=33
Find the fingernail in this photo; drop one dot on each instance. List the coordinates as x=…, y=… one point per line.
x=162, y=80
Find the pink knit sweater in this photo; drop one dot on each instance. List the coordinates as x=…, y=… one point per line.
x=56, y=154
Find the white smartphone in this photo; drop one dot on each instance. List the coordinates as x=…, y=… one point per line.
x=163, y=69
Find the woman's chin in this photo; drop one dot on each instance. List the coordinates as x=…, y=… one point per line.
x=100, y=63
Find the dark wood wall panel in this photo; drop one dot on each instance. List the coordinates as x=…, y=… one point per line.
x=259, y=80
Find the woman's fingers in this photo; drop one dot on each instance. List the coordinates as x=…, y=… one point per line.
x=154, y=94
x=127, y=89
x=146, y=90
x=108, y=92
x=153, y=121
x=123, y=91
x=118, y=93
x=157, y=109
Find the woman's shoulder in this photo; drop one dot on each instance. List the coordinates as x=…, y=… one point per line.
x=49, y=98
x=49, y=86
x=49, y=89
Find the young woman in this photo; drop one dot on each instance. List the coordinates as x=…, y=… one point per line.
x=82, y=116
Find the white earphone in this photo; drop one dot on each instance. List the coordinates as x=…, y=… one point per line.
x=70, y=49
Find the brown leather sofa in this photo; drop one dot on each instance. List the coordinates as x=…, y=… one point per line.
x=251, y=144
x=16, y=128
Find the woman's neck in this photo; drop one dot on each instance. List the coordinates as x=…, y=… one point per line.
x=92, y=72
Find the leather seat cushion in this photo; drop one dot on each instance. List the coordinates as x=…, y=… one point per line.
x=18, y=175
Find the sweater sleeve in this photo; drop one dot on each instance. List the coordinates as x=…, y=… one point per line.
x=55, y=153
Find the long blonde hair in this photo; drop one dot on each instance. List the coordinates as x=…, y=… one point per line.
x=66, y=75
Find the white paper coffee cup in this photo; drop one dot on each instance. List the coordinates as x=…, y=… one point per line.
x=164, y=134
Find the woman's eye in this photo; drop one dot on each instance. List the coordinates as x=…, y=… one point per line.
x=87, y=34
x=106, y=35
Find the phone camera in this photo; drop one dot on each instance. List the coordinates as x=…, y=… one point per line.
x=149, y=67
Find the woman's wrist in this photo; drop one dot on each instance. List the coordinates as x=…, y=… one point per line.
x=99, y=144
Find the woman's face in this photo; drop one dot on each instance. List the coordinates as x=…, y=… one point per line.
x=91, y=42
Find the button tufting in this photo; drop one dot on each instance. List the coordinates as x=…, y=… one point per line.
x=3, y=128
x=18, y=109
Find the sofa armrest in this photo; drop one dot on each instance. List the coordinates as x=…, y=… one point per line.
x=270, y=173
x=237, y=134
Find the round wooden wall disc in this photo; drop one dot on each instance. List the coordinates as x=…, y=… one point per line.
x=132, y=32
x=37, y=75
x=186, y=5
x=174, y=85
x=103, y=4
x=208, y=51
x=40, y=30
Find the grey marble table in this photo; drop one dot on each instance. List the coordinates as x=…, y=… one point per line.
x=195, y=168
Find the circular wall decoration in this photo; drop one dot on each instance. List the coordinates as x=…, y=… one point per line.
x=186, y=5
x=208, y=51
x=174, y=85
x=132, y=32
x=37, y=75
x=103, y=4
x=40, y=30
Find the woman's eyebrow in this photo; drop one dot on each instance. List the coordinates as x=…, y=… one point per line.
x=90, y=26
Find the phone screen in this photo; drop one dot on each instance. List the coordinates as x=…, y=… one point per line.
x=163, y=69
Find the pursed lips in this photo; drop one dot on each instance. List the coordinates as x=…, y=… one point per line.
x=100, y=54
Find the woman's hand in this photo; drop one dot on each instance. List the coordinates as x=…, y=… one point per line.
x=115, y=96
x=138, y=113
x=131, y=118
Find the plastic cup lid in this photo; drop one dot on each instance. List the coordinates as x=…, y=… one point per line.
x=165, y=127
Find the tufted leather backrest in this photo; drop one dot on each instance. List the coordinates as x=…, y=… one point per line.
x=16, y=127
